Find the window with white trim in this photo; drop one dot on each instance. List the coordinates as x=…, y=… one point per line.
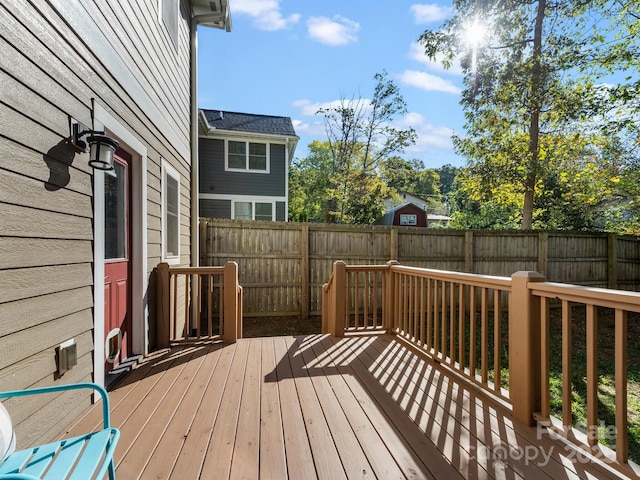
x=170, y=213
x=408, y=219
x=247, y=156
x=253, y=210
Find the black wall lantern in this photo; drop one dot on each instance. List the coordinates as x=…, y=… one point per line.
x=101, y=147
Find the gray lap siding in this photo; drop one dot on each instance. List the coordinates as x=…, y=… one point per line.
x=214, y=179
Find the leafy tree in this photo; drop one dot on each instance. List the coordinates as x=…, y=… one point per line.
x=360, y=136
x=530, y=84
x=447, y=175
x=309, y=184
x=410, y=176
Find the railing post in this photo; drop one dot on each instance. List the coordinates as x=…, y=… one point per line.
x=231, y=308
x=163, y=306
x=389, y=295
x=339, y=306
x=524, y=347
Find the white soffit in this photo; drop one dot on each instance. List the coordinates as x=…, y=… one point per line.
x=212, y=13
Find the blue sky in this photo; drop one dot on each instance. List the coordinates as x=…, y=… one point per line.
x=289, y=58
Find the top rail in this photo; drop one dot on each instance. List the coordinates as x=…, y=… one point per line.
x=487, y=281
x=196, y=270
x=629, y=301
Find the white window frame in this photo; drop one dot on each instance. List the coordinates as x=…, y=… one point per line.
x=247, y=169
x=169, y=170
x=253, y=207
x=409, y=219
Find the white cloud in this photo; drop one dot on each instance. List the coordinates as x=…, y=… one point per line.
x=265, y=13
x=428, y=82
x=429, y=12
x=416, y=52
x=314, y=129
x=333, y=31
x=309, y=108
x=429, y=136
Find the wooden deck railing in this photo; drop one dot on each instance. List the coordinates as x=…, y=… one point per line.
x=493, y=332
x=429, y=308
x=593, y=300
x=196, y=303
x=360, y=294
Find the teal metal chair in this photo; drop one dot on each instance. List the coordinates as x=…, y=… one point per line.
x=82, y=457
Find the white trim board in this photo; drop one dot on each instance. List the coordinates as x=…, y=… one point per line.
x=103, y=120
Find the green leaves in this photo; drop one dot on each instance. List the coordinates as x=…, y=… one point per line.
x=542, y=114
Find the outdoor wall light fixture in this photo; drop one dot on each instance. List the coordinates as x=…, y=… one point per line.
x=101, y=147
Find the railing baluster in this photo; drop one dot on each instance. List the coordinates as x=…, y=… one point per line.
x=436, y=318
x=356, y=299
x=210, y=305
x=366, y=296
x=417, y=310
x=196, y=300
x=484, y=337
x=566, y=365
x=497, y=342
x=545, y=358
x=452, y=323
x=422, y=316
x=592, y=375
x=187, y=285
x=443, y=321
x=472, y=331
x=429, y=313
x=174, y=320
x=461, y=329
x=375, y=300
x=622, y=441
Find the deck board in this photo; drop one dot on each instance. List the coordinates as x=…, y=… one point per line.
x=273, y=462
x=318, y=407
x=297, y=447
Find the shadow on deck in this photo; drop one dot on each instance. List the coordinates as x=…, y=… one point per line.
x=319, y=407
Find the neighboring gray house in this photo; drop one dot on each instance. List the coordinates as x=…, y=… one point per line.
x=244, y=165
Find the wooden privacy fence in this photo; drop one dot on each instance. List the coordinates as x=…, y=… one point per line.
x=495, y=332
x=282, y=266
x=196, y=303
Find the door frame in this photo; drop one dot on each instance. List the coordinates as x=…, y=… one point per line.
x=103, y=120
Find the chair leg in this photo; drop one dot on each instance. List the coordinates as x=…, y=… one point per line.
x=112, y=471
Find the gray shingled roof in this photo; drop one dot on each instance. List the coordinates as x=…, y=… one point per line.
x=249, y=122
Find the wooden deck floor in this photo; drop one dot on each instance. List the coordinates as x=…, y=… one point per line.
x=318, y=407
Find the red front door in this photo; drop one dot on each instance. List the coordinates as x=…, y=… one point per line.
x=117, y=248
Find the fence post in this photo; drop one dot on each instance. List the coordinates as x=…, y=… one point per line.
x=389, y=295
x=204, y=260
x=468, y=251
x=340, y=299
x=304, y=271
x=231, y=307
x=163, y=305
x=612, y=261
x=524, y=347
x=543, y=252
x=393, y=243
